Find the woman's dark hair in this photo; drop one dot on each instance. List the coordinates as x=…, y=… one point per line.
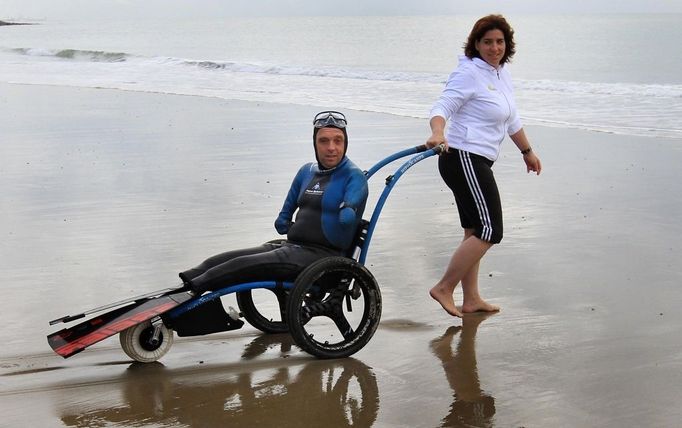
x=482, y=26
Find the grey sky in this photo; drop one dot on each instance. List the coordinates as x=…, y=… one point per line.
x=116, y=9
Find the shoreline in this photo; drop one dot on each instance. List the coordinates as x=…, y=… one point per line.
x=538, y=124
x=111, y=193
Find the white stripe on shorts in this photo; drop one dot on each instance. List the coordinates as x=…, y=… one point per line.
x=475, y=188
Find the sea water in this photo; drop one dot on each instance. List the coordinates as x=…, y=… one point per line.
x=609, y=73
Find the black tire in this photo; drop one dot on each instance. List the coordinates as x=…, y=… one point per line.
x=318, y=306
x=264, y=323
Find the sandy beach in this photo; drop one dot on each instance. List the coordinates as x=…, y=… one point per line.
x=108, y=194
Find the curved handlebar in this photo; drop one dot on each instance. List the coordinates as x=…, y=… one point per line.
x=437, y=149
x=411, y=151
x=422, y=152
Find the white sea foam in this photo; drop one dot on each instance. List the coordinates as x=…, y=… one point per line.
x=75, y=54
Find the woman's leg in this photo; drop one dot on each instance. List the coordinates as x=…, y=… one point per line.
x=472, y=299
x=463, y=267
x=478, y=203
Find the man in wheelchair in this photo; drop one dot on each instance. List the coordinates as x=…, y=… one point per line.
x=328, y=198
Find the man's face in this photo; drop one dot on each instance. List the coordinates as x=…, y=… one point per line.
x=329, y=145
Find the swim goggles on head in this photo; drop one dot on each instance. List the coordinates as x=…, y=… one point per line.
x=334, y=119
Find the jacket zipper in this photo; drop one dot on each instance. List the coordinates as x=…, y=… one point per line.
x=508, y=104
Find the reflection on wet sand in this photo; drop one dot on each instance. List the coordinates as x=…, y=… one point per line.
x=471, y=406
x=338, y=393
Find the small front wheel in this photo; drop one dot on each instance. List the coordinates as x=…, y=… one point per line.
x=334, y=308
x=143, y=343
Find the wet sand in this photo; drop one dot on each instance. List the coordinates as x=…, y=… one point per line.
x=108, y=194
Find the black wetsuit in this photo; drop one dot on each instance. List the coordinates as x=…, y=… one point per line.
x=330, y=204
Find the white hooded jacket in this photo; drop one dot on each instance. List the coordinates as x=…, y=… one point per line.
x=478, y=102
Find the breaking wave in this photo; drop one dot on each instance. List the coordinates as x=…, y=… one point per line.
x=74, y=54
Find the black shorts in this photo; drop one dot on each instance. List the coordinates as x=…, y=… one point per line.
x=471, y=179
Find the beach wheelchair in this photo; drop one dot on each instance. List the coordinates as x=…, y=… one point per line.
x=331, y=310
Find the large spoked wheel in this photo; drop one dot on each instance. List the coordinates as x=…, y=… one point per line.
x=272, y=303
x=334, y=308
x=143, y=343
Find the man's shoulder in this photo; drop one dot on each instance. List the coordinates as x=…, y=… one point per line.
x=307, y=167
x=351, y=164
x=304, y=172
x=353, y=169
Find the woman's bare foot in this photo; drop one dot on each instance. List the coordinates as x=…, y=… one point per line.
x=479, y=306
x=444, y=297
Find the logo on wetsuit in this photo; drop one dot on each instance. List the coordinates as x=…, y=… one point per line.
x=315, y=190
